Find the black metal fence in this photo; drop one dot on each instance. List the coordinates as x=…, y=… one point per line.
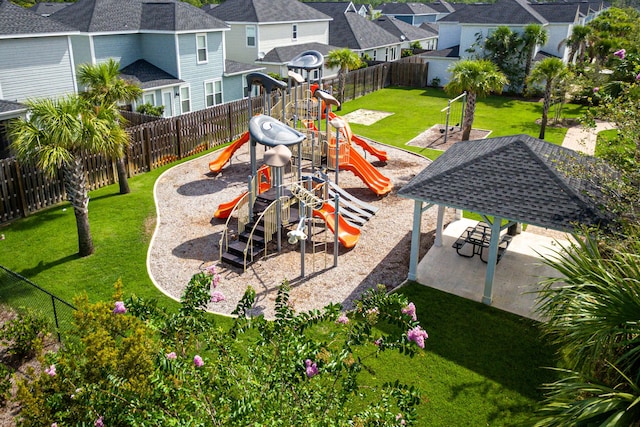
x=18, y=292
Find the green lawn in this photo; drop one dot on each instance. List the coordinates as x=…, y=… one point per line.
x=415, y=110
x=481, y=366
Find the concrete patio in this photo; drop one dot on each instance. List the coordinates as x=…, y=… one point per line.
x=516, y=276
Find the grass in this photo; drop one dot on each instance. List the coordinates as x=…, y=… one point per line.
x=481, y=365
x=415, y=110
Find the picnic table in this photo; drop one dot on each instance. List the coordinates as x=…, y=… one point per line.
x=479, y=238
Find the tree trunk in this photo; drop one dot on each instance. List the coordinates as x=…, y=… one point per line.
x=469, y=113
x=342, y=77
x=75, y=184
x=545, y=108
x=122, y=176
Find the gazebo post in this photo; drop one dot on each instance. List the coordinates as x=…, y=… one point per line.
x=492, y=260
x=439, y=223
x=415, y=239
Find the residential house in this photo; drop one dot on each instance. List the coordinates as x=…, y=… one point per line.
x=417, y=13
x=37, y=62
x=350, y=30
x=409, y=34
x=174, y=49
x=47, y=8
x=257, y=27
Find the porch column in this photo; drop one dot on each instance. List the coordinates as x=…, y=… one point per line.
x=415, y=239
x=439, y=223
x=492, y=260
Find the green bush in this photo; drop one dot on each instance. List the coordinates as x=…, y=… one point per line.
x=5, y=383
x=151, y=110
x=24, y=334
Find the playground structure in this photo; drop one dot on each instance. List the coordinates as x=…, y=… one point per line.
x=456, y=106
x=292, y=191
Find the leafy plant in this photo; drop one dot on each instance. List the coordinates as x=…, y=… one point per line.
x=5, y=383
x=24, y=334
x=151, y=110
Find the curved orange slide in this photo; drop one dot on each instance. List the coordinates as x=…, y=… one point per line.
x=348, y=235
x=376, y=181
x=217, y=165
x=264, y=179
x=380, y=154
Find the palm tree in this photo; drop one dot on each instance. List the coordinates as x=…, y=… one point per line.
x=533, y=36
x=104, y=87
x=550, y=71
x=55, y=134
x=478, y=78
x=345, y=60
x=578, y=42
x=592, y=316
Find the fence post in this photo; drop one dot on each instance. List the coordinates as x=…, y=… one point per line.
x=179, y=137
x=229, y=112
x=22, y=197
x=55, y=316
x=146, y=147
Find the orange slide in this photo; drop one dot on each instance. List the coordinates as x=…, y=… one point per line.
x=217, y=165
x=376, y=181
x=380, y=154
x=264, y=179
x=348, y=235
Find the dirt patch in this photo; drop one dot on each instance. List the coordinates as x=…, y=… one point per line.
x=434, y=137
x=366, y=117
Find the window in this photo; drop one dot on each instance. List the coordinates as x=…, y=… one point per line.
x=386, y=54
x=213, y=93
x=201, y=46
x=149, y=98
x=251, y=35
x=375, y=54
x=294, y=32
x=185, y=99
x=393, y=53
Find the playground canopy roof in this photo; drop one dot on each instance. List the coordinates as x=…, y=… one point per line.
x=520, y=178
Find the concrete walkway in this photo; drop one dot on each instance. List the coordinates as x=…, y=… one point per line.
x=519, y=271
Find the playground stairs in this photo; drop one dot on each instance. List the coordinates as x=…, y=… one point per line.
x=235, y=251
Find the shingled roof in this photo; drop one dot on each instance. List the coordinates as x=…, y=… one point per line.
x=47, y=8
x=284, y=54
x=502, y=12
x=407, y=9
x=136, y=15
x=232, y=68
x=264, y=11
x=400, y=28
x=558, y=12
x=352, y=30
x=9, y=108
x=147, y=75
x=517, y=177
x=16, y=21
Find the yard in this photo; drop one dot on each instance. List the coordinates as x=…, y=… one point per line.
x=480, y=366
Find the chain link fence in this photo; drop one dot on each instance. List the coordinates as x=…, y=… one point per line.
x=19, y=292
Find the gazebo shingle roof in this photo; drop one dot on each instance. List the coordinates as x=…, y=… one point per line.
x=517, y=177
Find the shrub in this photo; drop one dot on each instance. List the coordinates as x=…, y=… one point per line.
x=133, y=363
x=5, y=383
x=24, y=334
x=151, y=110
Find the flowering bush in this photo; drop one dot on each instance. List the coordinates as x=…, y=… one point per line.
x=138, y=364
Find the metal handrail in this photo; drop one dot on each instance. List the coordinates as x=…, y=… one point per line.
x=224, y=238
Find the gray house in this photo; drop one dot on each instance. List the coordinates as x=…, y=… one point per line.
x=417, y=13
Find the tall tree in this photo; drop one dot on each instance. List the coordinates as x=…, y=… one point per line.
x=550, y=71
x=505, y=48
x=55, y=134
x=578, y=43
x=532, y=36
x=345, y=60
x=478, y=78
x=104, y=87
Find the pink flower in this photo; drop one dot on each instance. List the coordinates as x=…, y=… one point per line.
x=638, y=77
x=373, y=311
x=400, y=420
x=378, y=342
x=54, y=424
x=197, y=360
x=411, y=311
x=51, y=371
x=171, y=356
x=596, y=89
x=217, y=296
x=343, y=320
x=417, y=335
x=215, y=277
x=119, y=308
x=620, y=53
x=99, y=422
x=311, y=368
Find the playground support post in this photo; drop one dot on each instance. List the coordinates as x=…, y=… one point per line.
x=335, y=234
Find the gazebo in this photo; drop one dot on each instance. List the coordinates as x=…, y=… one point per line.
x=516, y=178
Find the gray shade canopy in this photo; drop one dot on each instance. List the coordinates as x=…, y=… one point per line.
x=308, y=60
x=270, y=132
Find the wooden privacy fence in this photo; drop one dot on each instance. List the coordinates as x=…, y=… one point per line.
x=156, y=142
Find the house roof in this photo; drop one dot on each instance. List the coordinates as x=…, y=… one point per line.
x=147, y=75
x=234, y=67
x=502, y=12
x=47, y=8
x=558, y=12
x=352, y=30
x=263, y=11
x=432, y=27
x=450, y=52
x=442, y=6
x=11, y=107
x=517, y=177
x=284, y=54
x=407, y=9
x=400, y=28
x=136, y=15
x=16, y=20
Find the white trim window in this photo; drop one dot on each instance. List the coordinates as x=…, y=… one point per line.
x=149, y=98
x=185, y=99
x=386, y=54
x=375, y=54
x=213, y=92
x=294, y=31
x=201, y=49
x=250, y=31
